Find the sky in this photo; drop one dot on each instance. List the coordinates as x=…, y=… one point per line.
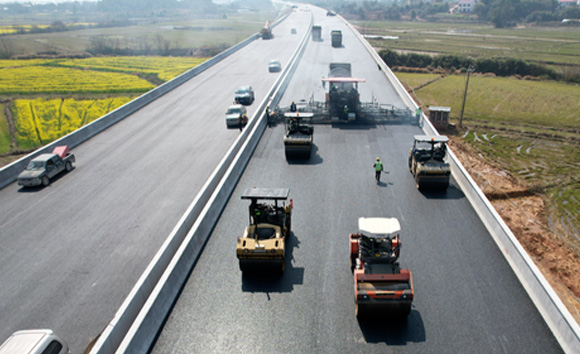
x=39, y=1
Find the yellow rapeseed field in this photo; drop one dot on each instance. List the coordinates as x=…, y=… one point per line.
x=43, y=79
x=166, y=68
x=40, y=121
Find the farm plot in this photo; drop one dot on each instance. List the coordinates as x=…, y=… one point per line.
x=56, y=80
x=166, y=68
x=495, y=99
x=40, y=121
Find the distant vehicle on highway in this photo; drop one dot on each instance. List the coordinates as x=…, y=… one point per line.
x=274, y=66
x=44, y=167
x=293, y=31
x=330, y=13
x=233, y=115
x=244, y=95
x=34, y=341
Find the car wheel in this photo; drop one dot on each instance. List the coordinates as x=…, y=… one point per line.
x=45, y=181
x=68, y=166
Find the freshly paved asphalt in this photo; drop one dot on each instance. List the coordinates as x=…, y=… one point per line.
x=72, y=252
x=467, y=299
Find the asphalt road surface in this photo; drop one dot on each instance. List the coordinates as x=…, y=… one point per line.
x=467, y=299
x=71, y=252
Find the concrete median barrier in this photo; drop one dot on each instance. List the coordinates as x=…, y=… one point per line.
x=138, y=321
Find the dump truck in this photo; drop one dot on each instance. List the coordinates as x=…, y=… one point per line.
x=336, y=37
x=380, y=285
x=316, y=33
x=263, y=246
x=45, y=167
x=266, y=31
x=426, y=162
x=299, y=136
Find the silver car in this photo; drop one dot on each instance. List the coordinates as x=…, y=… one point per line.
x=233, y=115
x=274, y=66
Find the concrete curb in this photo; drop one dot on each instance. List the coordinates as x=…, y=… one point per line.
x=556, y=315
x=138, y=321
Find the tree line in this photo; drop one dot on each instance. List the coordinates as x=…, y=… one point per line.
x=497, y=66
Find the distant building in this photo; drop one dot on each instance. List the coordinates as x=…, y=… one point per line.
x=466, y=6
x=564, y=3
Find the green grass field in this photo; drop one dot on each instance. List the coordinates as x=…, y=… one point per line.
x=507, y=100
x=181, y=33
x=554, y=45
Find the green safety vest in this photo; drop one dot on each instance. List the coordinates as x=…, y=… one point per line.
x=379, y=166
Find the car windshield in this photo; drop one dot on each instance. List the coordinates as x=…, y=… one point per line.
x=274, y=62
x=243, y=90
x=234, y=110
x=35, y=165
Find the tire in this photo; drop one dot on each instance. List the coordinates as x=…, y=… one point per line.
x=68, y=166
x=45, y=181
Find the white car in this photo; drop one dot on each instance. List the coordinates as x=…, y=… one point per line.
x=274, y=66
x=233, y=115
x=34, y=341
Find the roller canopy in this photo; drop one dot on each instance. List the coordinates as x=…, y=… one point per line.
x=266, y=193
x=432, y=138
x=379, y=227
x=344, y=79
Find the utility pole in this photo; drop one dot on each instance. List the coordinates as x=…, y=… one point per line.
x=469, y=71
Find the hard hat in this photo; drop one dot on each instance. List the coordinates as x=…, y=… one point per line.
x=378, y=159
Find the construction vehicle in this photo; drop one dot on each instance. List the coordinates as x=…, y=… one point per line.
x=342, y=102
x=263, y=245
x=336, y=37
x=342, y=98
x=266, y=31
x=379, y=282
x=426, y=161
x=316, y=33
x=299, y=136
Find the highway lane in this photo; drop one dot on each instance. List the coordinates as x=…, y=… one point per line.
x=71, y=252
x=467, y=297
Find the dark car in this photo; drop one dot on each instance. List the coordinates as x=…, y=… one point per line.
x=244, y=95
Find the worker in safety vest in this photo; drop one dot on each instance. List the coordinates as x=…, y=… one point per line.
x=378, y=169
x=418, y=114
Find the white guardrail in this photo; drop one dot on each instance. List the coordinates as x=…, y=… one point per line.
x=556, y=315
x=136, y=324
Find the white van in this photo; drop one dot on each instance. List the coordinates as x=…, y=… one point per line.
x=34, y=341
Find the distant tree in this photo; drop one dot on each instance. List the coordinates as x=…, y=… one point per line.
x=502, y=12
